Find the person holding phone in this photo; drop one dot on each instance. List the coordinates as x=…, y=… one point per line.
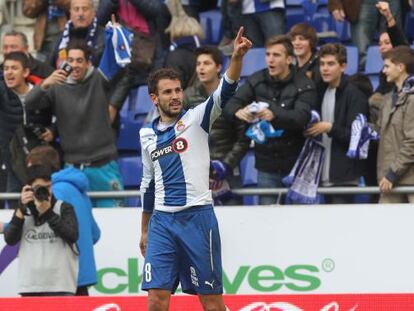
x=78, y=97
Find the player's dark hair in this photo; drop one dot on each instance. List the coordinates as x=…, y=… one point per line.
x=156, y=76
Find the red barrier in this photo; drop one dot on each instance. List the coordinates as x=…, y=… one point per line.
x=340, y=302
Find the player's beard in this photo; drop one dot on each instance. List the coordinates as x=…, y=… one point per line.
x=167, y=111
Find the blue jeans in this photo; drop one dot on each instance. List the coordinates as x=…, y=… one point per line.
x=363, y=31
x=263, y=25
x=268, y=180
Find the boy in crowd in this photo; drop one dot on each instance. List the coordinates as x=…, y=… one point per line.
x=341, y=102
x=396, y=124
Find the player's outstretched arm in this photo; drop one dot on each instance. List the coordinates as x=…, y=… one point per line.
x=241, y=46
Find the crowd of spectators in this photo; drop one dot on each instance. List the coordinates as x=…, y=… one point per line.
x=77, y=110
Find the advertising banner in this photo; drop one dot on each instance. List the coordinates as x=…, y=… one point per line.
x=343, y=302
x=269, y=250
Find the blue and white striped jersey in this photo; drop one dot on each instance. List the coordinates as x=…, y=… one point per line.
x=176, y=161
x=256, y=6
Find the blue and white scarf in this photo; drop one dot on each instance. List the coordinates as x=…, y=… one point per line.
x=192, y=42
x=303, y=179
x=90, y=38
x=117, y=52
x=408, y=85
x=361, y=135
x=261, y=130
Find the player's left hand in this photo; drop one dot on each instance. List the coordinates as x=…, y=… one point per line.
x=241, y=44
x=143, y=243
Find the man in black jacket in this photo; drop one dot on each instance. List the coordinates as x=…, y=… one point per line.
x=341, y=102
x=290, y=96
x=14, y=118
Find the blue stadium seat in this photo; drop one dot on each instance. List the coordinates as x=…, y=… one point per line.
x=294, y=3
x=131, y=171
x=374, y=78
x=343, y=31
x=132, y=118
x=294, y=15
x=324, y=25
x=248, y=175
x=143, y=104
x=409, y=25
x=253, y=61
x=353, y=60
x=248, y=171
x=211, y=21
x=373, y=65
x=128, y=136
x=374, y=61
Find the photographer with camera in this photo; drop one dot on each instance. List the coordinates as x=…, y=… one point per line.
x=20, y=130
x=47, y=230
x=79, y=97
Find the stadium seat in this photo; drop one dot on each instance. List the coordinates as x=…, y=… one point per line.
x=374, y=78
x=294, y=3
x=143, y=104
x=294, y=15
x=248, y=175
x=343, y=31
x=253, y=61
x=373, y=65
x=132, y=117
x=248, y=172
x=374, y=61
x=211, y=21
x=353, y=60
x=324, y=25
x=131, y=171
x=409, y=25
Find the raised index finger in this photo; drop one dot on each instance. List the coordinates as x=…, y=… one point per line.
x=239, y=35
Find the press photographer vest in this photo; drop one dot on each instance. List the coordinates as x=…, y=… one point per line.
x=47, y=263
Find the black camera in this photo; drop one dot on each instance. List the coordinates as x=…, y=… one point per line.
x=41, y=193
x=66, y=68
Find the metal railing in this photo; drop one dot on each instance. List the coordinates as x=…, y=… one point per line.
x=239, y=191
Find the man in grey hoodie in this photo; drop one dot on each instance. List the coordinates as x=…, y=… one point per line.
x=79, y=100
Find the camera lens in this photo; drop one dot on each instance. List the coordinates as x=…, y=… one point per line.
x=41, y=193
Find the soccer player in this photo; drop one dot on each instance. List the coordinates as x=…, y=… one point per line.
x=179, y=235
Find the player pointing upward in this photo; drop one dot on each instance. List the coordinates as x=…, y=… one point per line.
x=180, y=238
